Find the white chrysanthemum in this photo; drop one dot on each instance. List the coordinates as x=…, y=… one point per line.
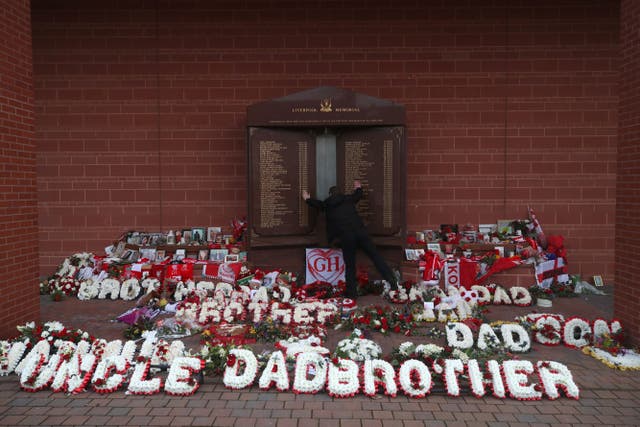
x=406, y=348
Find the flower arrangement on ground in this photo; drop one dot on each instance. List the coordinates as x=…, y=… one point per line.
x=215, y=357
x=358, y=348
x=383, y=319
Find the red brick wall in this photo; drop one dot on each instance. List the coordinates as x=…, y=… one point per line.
x=627, y=296
x=18, y=199
x=509, y=103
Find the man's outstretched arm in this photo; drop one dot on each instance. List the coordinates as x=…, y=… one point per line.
x=312, y=202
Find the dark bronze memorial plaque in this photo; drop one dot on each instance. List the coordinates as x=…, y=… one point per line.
x=374, y=156
x=282, y=166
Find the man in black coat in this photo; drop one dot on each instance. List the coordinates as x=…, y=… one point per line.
x=345, y=225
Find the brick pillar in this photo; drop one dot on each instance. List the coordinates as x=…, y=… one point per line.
x=18, y=199
x=627, y=290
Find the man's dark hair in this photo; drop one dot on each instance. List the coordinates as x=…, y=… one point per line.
x=333, y=191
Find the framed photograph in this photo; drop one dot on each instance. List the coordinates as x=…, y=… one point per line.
x=413, y=254
x=212, y=233
x=232, y=258
x=185, y=237
x=504, y=226
x=180, y=254
x=218, y=255
x=409, y=255
x=131, y=255
x=148, y=253
x=435, y=247
x=157, y=239
x=133, y=238
x=597, y=281
x=119, y=250
x=242, y=256
x=198, y=234
x=429, y=236
x=203, y=254
x=160, y=255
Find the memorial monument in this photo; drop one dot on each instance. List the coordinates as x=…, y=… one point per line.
x=312, y=140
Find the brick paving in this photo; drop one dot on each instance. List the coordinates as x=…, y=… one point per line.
x=607, y=397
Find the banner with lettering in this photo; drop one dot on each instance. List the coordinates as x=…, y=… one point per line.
x=324, y=265
x=451, y=273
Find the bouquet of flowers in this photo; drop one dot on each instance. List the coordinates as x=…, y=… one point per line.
x=541, y=293
x=356, y=347
x=215, y=357
x=382, y=319
x=267, y=331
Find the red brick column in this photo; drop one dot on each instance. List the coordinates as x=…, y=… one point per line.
x=627, y=292
x=18, y=199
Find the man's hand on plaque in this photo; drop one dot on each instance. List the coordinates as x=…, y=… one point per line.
x=306, y=195
x=357, y=184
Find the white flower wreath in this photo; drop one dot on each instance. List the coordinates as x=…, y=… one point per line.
x=293, y=346
x=358, y=348
x=540, y=324
x=309, y=363
x=379, y=372
x=236, y=380
x=150, y=284
x=10, y=355
x=129, y=289
x=139, y=384
x=501, y=296
x=343, y=378
x=576, y=326
x=109, y=287
x=520, y=296
x=182, y=369
x=476, y=378
x=38, y=372
x=509, y=331
x=515, y=374
x=452, y=367
x=554, y=375
x=102, y=382
x=73, y=375
x=275, y=372
x=459, y=335
x=88, y=290
x=424, y=383
x=484, y=296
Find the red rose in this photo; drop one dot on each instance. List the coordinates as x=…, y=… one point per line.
x=231, y=360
